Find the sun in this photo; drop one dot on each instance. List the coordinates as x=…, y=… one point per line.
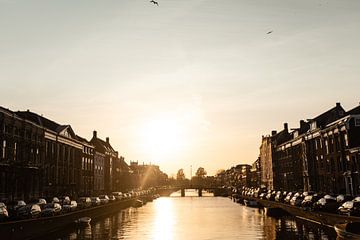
x=162, y=138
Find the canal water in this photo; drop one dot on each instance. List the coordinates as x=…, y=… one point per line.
x=192, y=217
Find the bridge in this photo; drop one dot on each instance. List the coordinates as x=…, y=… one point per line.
x=218, y=191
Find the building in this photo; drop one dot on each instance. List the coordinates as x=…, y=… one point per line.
x=288, y=165
x=87, y=167
x=255, y=174
x=121, y=175
x=321, y=155
x=99, y=176
x=267, y=148
x=110, y=156
x=146, y=175
x=21, y=157
x=61, y=166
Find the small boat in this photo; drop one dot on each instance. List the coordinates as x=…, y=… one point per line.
x=348, y=230
x=251, y=203
x=83, y=220
x=138, y=203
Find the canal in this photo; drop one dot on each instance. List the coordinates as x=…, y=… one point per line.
x=197, y=218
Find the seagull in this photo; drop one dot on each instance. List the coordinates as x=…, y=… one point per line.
x=269, y=32
x=154, y=2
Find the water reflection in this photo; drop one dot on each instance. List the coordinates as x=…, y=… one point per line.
x=176, y=218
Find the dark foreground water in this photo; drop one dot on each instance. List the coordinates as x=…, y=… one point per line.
x=195, y=218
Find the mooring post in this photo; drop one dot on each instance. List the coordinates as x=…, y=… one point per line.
x=183, y=192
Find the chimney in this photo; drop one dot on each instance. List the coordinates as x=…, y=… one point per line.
x=273, y=132
x=337, y=104
x=94, y=134
x=107, y=140
x=285, y=126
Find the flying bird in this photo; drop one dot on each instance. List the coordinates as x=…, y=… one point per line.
x=269, y=32
x=154, y=2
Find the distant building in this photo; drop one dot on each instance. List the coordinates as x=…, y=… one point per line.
x=146, y=175
x=255, y=174
x=121, y=175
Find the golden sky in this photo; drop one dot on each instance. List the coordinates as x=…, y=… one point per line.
x=192, y=82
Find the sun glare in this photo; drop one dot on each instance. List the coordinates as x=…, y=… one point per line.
x=163, y=137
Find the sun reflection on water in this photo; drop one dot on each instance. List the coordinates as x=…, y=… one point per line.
x=164, y=220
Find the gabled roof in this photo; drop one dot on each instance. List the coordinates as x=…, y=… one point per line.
x=101, y=145
x=329, y=116
x=355, y=110
x=65, y=130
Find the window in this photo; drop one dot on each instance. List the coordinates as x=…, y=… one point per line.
x=346, y=139
x=4, y=149
x=15, y=145
x=357, y=122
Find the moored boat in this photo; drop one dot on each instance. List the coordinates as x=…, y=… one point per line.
x=138, y=203
x=83, y=221
x=348, y=230
x=251, y=203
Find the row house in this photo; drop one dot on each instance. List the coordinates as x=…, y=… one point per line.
x=87, y=167
x=21, y=157
x=110, y=156
x=321, y=155
x=267, y=149
x=112, y=174
x=62, y=151
x=237, y=176
x=99, y=168
x=255, y=174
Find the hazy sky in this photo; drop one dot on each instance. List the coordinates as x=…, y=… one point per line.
x=191, y=82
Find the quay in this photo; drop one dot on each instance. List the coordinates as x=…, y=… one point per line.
x=322, y=218
x=37, y=227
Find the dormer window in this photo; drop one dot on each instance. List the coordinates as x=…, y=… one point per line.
x=313, y=125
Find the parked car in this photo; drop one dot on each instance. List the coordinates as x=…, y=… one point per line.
x=95, y=201
x=41, y=202
x=326, y=204
x=51, y=209
x=55, y=200
x=68, y=207
x=262, y=196
x=343, y=198
x=4, y=215
x=296, y=200
x=13, y=207
x=310, y=200
x=29, y=211
x=279, y=196
x=288, y=197
x=104, y=199
x=118, y=195
x=84, y=202
x=350, y=208
x=64, y=200
x=271, y=196
x=112, y=198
